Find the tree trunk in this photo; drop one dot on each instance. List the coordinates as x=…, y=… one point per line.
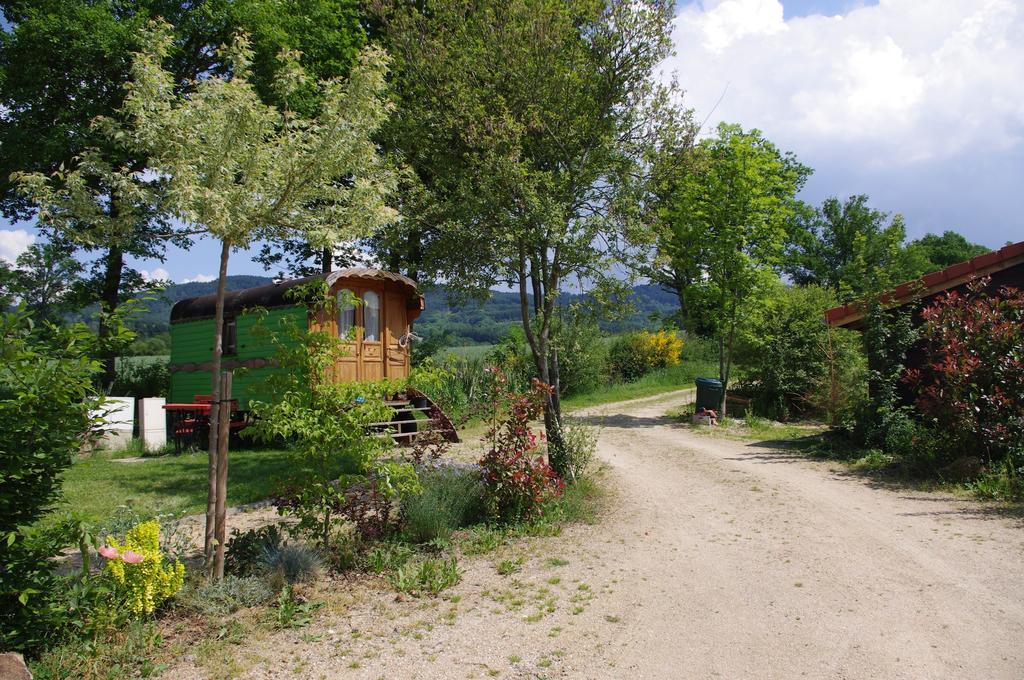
x=728, y=357
x=218, y=336
x=223, y=432
x=110, y=298
x=326, y=261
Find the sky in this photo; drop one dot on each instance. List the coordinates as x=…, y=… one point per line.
x=917, y=103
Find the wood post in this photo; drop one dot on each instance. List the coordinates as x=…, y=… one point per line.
x=223, y=433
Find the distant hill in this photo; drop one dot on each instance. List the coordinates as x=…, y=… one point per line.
x=473, y=323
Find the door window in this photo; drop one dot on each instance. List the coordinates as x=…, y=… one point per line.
x=346, y=313
x=371, y=316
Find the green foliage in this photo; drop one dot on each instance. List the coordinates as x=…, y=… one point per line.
x=482, y=540
x=294, y=611
x=226, y=596
x=426, y=577
x=245, y=549
x=43, y=279
x=141, y=379
x=387, y=556
x=450, y=499
x=582, y=356
x=126, y=652
x=327, y=425
x=880, y=421
x=45, y=400
x=510, y=566
x=635, y=355
x=725, y=217
x=29, y=614
x=576, y=447
x=848, y=248
x=46, y=395
x=945, y=250
x=796, y=365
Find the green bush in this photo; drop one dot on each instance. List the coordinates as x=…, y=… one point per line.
x=429, y=576
x=45, y=399
x=327, y=426
x=141, y=379
x=450, y=500
x=795, y=365
x=244, y=550
x=582, y=358
x=576, y=447
x=634, y=355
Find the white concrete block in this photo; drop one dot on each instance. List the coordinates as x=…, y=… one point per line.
x=118, y=414
x=153, y=422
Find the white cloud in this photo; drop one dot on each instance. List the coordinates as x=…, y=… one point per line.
x=158, y=274
x=13, y=242
x=201, y=278
x=900, y=82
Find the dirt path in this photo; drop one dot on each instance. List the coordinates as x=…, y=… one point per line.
x=718, y=558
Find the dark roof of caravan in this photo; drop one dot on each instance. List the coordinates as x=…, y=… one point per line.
x=273, y=294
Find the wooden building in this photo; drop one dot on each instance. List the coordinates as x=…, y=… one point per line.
x=380, y=328
x=1004, y=269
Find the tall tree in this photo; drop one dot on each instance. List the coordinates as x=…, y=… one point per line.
x=724, y=228
x=242, y=170
x=850, y=248
x=945, y=250
x=62, y=65
x=44, y=279
x=524, y=125
x=328, y=35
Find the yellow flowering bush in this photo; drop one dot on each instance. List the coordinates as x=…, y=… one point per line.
x=137, y=567
x=637, y=354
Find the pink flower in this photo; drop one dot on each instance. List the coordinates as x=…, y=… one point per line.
x=132, y=557
x=108, y=551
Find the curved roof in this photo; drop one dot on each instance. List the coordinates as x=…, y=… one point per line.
x=273, y=294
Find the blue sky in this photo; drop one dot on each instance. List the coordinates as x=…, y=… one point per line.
x=917, y=103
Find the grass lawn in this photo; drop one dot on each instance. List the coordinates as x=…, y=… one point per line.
x=467, y=351
x=664, y=380
x=94, y=487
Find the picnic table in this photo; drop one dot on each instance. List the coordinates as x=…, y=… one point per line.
x=188, y=424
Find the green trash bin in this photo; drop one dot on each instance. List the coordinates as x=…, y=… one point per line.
x=709, y=394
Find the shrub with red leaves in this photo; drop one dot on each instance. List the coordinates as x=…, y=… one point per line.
x=517, y=479
x=972, y=383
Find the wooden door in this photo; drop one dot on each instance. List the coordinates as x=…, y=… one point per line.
x=371, y=346
x=394, y=328
x=347, y=325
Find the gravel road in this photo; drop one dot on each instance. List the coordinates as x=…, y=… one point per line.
x=717, y=558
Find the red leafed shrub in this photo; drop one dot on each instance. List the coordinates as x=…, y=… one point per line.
x=517, y=479
x=972, y=382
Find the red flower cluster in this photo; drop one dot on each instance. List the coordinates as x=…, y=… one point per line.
x=972, y=384
x=517, y=478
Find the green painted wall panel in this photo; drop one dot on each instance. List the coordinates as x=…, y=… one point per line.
x=192, y=342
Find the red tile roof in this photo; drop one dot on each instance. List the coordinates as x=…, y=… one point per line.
x=936, y=282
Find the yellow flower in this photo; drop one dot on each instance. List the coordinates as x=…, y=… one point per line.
x=149, y=583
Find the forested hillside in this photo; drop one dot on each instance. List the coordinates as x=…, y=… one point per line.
x=470, y=323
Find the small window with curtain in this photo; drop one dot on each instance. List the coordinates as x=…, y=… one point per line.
x=371, y=316
x=346, y=313
x=230, y=340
